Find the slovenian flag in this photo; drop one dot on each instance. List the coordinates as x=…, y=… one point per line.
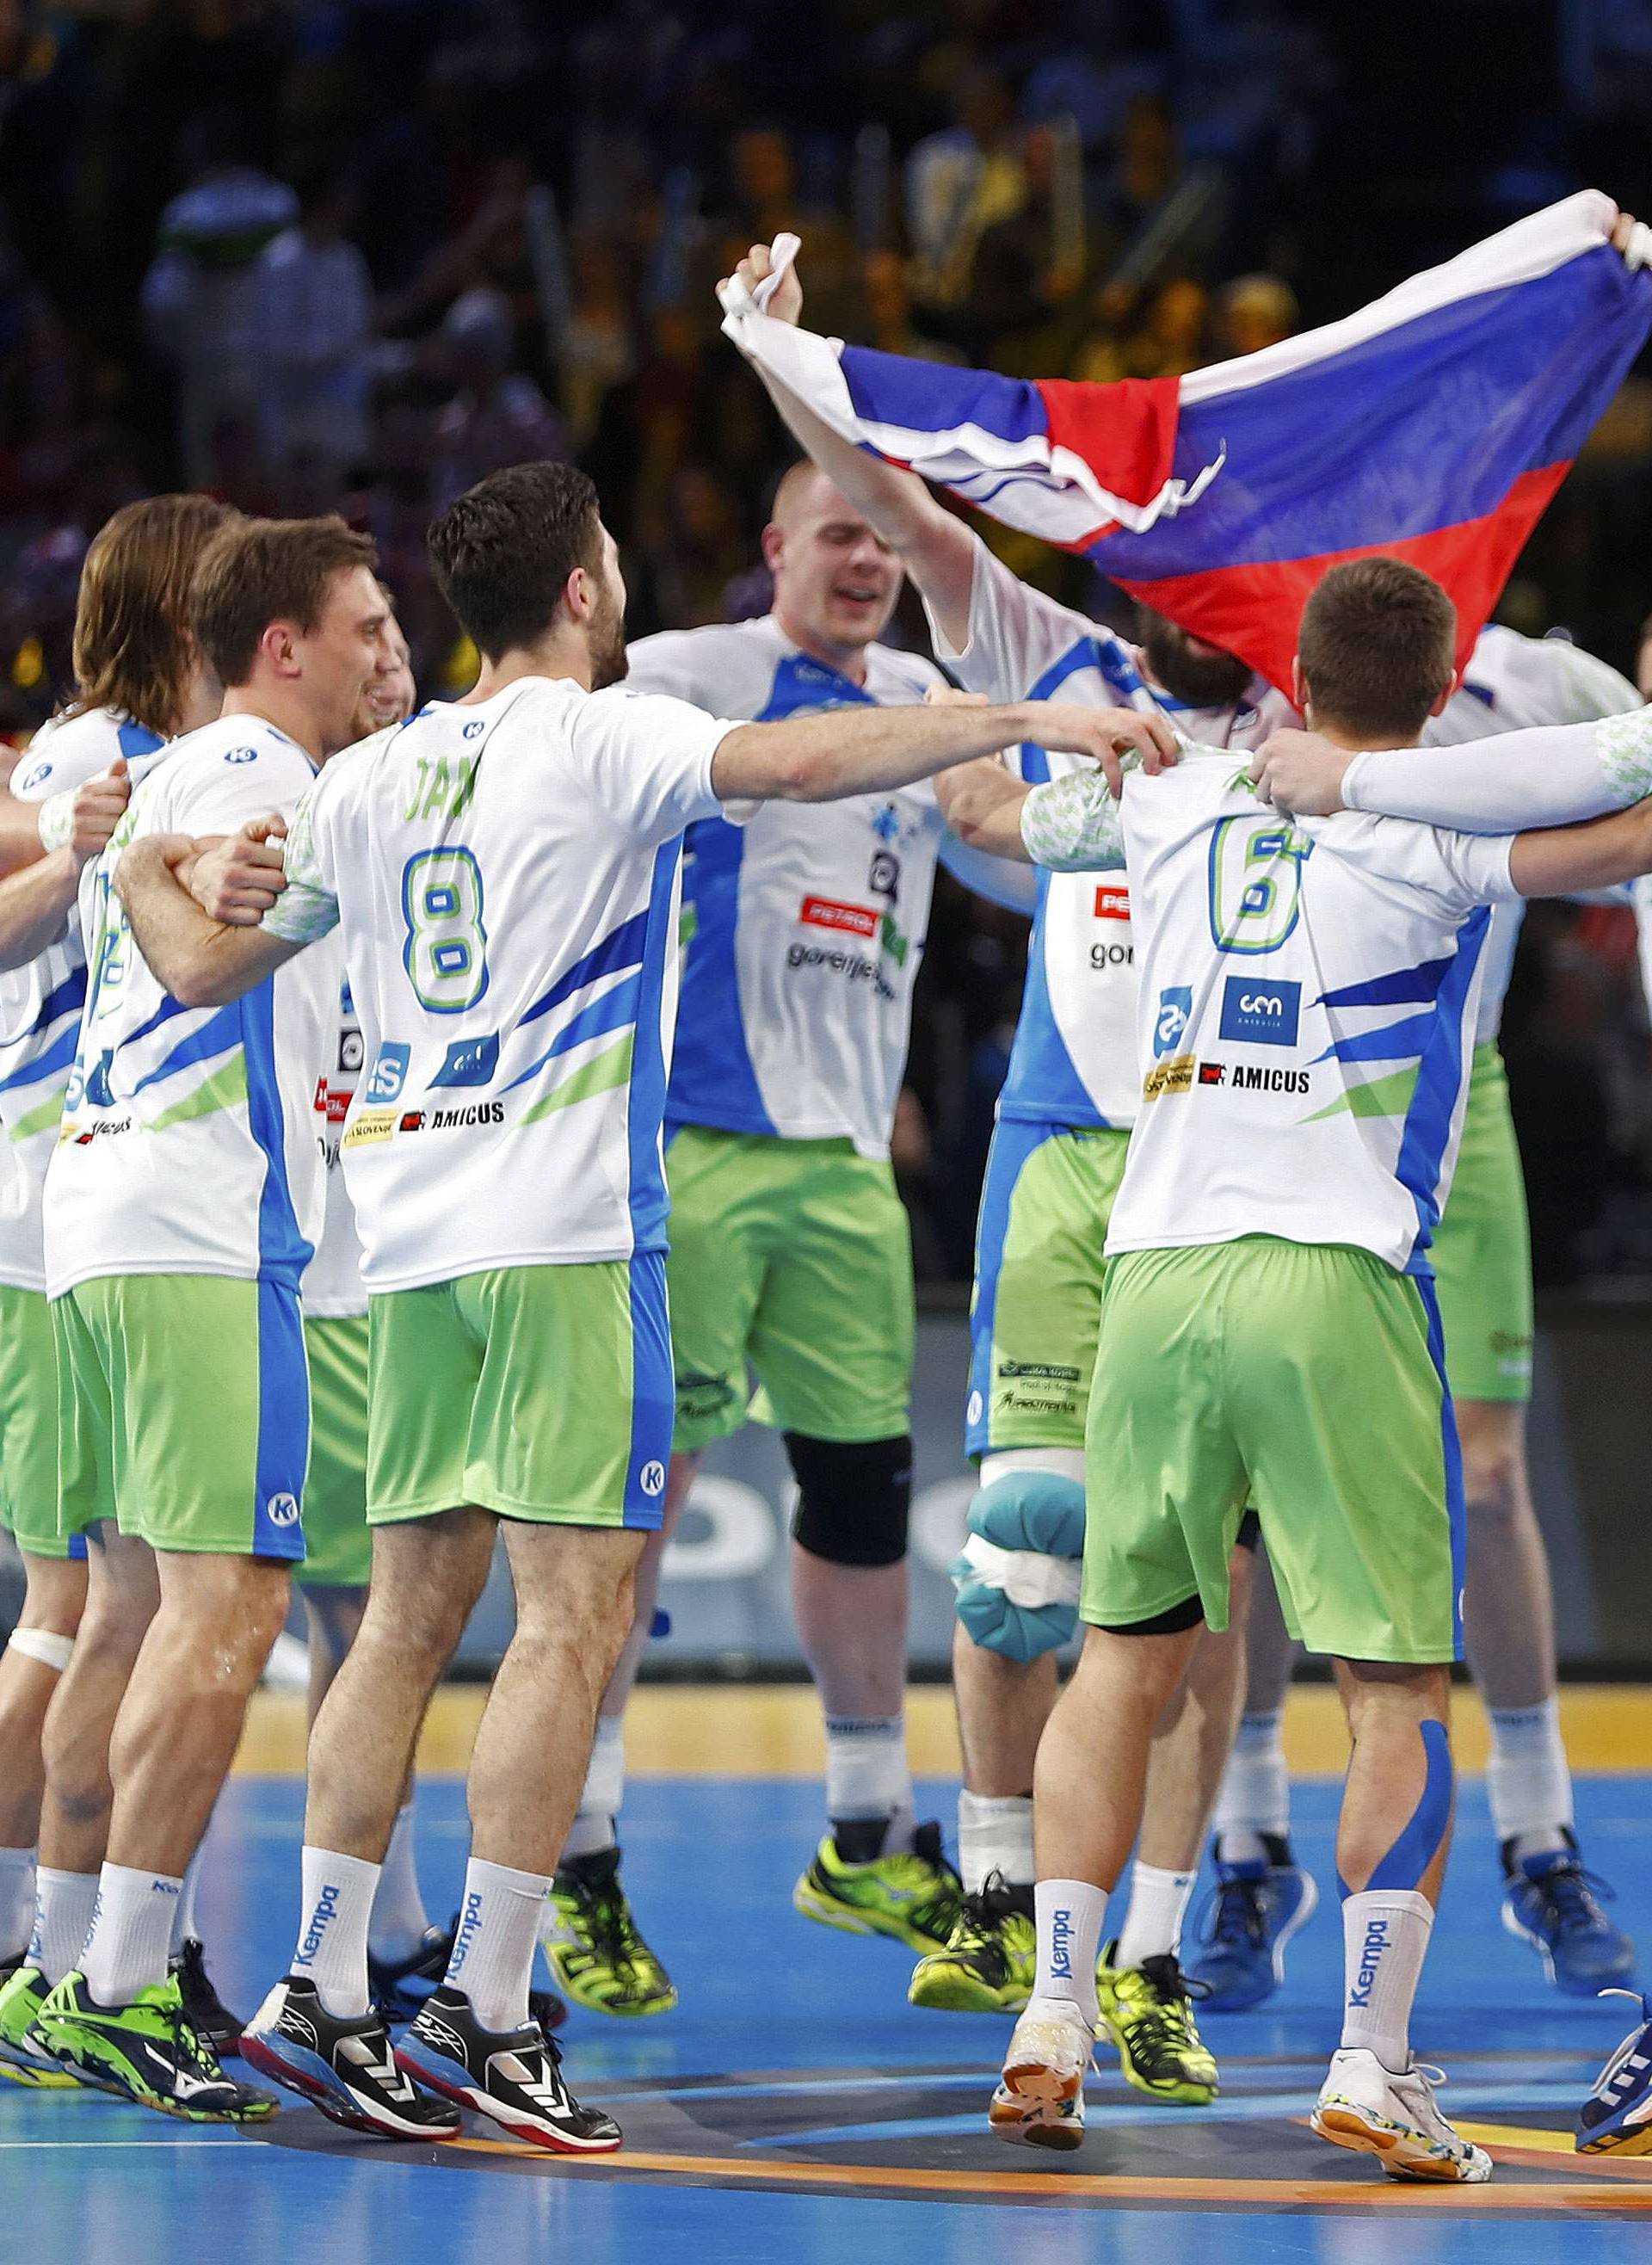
x=1433, y=426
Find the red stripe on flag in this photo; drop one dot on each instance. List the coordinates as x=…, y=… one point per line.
x=1125, y=432
x=1254, y=611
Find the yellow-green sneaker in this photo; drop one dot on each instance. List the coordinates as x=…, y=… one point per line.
x=22, y=1994
x=1147, y=2010
x=990, y=1958
x=593, y=1945
x=913, y=1894
x=147, y=2051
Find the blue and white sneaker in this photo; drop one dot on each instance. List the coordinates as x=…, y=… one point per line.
x=345, y=2066
x=1551, y=1901
x=1257, y=1907
x=1616, y=2119
x=515, y=2075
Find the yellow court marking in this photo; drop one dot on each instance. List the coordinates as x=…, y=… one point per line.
x=1510, y=2143
x=732, y=1730
x=1049, y=2186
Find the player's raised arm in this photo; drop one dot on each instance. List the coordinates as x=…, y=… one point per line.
x=935, y=548
x=826, y=758
x=1565, y=860
x=1553, y=776
x=202, y=960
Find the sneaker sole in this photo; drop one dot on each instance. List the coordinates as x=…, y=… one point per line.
x=306, y=2073
x=954, y=1992
x=849, y=1919
x=1345, y=2125
x=1514, y=1925
x=1023, y=2118
x=466, y=2094
x=38, y=2076
x=1227, y=2001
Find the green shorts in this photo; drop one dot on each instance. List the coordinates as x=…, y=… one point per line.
x=339, y=1552
x=536, y=1392
x=1482, y=1249
x=183, y=1412
x=1046, y=1203
x=1309, y=1380
x=28, y=1426
x=792, y=1258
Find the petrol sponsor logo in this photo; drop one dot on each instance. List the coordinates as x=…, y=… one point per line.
x=390, y=1073
x=1111, y=901
x=849, y=920
x=332, y=1102
x=1260, y=1014
x=1174, y=1076
x=1169, y=1024
x=469, y=1061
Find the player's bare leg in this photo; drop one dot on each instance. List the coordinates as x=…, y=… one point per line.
x=31, y=1665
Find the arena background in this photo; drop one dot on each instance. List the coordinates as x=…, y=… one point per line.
x=513, y=216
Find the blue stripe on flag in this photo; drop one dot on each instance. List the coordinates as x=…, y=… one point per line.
x=926, y=397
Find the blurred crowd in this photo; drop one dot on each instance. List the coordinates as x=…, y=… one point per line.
x=353, y=254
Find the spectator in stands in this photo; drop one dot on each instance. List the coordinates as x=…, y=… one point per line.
x=498, y=416
x=1254, y=311
x=315, y=325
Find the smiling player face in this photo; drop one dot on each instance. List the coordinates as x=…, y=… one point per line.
x=836, y=583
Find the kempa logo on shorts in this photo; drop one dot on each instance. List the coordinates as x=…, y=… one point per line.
x=1174, y=1076
x=282, y=1510
x=651, y=1478
x=973, y=1412
x=1048, y=1370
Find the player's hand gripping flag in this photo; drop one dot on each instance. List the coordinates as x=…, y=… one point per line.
x=1435, y=426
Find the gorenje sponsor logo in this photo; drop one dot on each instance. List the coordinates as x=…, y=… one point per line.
x=469, y=1920
x=852, y=919
x=1061, y=1945
x=326, y=1909
x=854, y=965
x=1370, y=1958
x=1260, y=1014
x=1103, y=956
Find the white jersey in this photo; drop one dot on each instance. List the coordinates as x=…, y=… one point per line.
x=1512, y=683
x=188, y=1143
x=1073, y=1061
x=805, y=927
x=506, y=875
x=332, y=1288
x=1308, y=996
x=40, y=1004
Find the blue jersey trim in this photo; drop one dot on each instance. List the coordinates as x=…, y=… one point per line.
x=1440, y=1071
x=283, y=1253
x=1013, y=1143
x=651, y=1205
x=137, y=740
x=653, y=1393
x=283, y=1446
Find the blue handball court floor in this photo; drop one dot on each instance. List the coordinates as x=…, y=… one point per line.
x=795, y=2108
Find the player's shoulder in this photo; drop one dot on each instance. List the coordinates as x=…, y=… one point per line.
x=1523, y=681
x=726, y=667
x=894, y=677
x=76, y=747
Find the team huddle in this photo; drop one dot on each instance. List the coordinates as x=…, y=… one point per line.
x=424, y=1126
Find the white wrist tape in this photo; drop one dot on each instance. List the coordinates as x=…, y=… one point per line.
x=733, y=295
x=1638, y=251
x=56, y=819
x=1027, y=1576
x=40, y=1643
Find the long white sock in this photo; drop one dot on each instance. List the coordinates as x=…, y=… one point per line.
x=1528, y=1778
x=593, y=1830
x=1153, y=1922
x=1070, y=1916
x=1255, y=1795
x=185, y=1926
x=63, y=1906
x=492, y=1959
x=131, y=1932
x=17, y=1900
x=995, y=1835
x=867, y=1774
x=1385, y=1940
x=335, y=1914
x=399, y=1918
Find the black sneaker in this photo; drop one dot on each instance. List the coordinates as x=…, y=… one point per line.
x=346, y=2066
x=210, y=2015
x=399, y=1986
x=515, y=2075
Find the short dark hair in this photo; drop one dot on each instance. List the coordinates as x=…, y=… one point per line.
x=259, y=570
x=1378, y=644
x=503, y=551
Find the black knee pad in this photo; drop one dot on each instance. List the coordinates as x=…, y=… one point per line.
x=854, y=1498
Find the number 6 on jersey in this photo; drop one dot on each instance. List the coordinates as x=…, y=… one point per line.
x=446, y=951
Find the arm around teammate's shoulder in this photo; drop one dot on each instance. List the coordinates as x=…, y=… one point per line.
x=1562, y=860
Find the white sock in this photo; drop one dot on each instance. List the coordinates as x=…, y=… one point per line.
x=492, y=1959
x=335, y=1914
x=1070, y=1916
x=1385, y=1940
x=995, y=1835
x=398, y=1922
x=593, y=1829
x=1254, y=1796
x=184, y=1924
x=17, y=1900
x=1152, y=1923
x=1528, y=1779
x=131, y=1932
x=63, y=1906
x=867, y=1774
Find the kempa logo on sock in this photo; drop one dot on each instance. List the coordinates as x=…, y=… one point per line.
x=326, y=1909
x=164, y=1887
x=1061, y=1945
x=1370, y=1958
x=469, y=1920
